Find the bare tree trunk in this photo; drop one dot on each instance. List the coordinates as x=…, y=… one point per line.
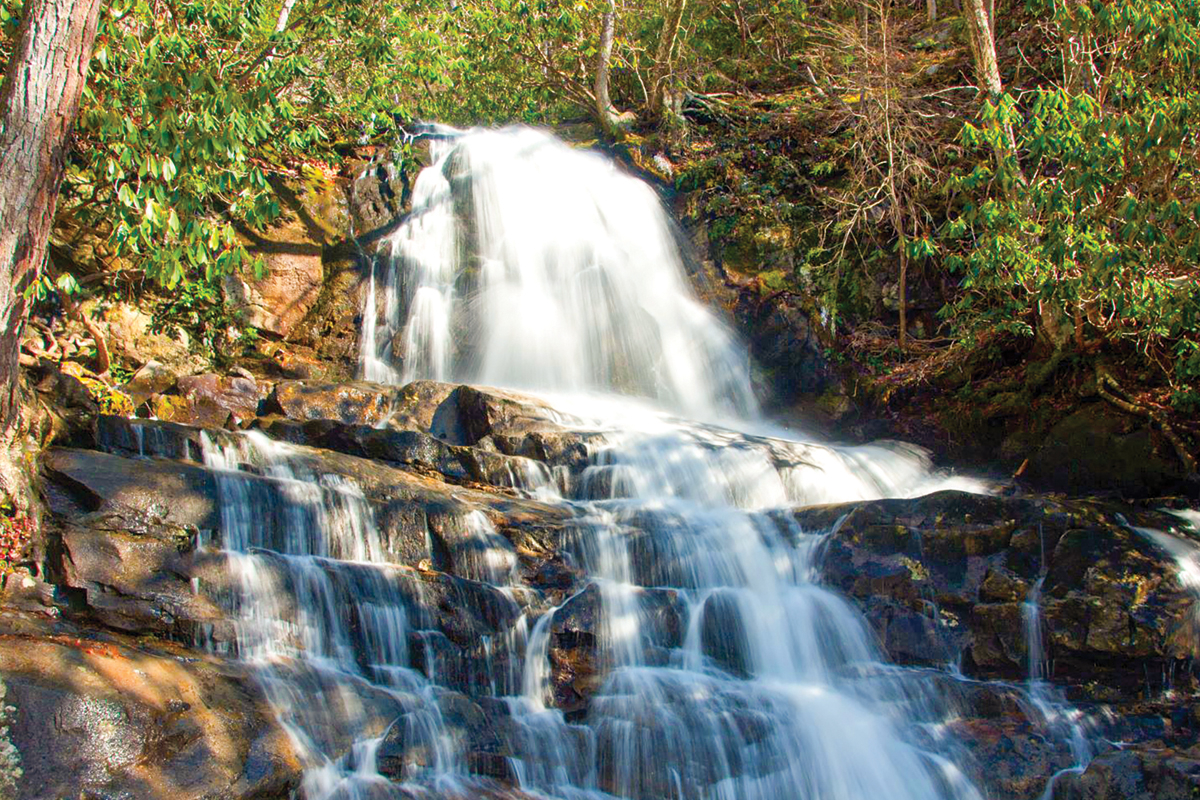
x=284, y=13
x=40, y=97
x=983, y=45
x=606, y=115
x=931, y=10
x=658, y=107
x=987, y=68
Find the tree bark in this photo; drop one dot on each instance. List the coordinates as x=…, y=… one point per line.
x=983, y=45
x=40, y=97
x=606, y=115
x=285, y=11
x=987, y=68
x=658, y=106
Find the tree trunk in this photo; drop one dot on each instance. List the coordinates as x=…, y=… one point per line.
x=38, y=102
x=931, y=10
x=658, y=107
x=606, y=115
x=983, y=45
x=987, y=69
x=285, y=12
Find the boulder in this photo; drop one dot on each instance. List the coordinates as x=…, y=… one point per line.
x=277, y=301
x=948, y=575
x=174, y=493
x=141, y=576
x=785, y=343
x=133, y=338
x=1141, y=773
x=315, y=216
x=100, y=719
x=354, y=403
x=578, y=665
x=202, y=412
x=152, y=378
x=236, y=395
x=1098, y=448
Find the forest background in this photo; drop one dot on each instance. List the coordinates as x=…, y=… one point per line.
x=981, y=196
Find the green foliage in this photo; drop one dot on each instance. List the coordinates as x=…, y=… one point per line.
x=194, y=108
x=188, y=109
x=16, y=532
x=1096, y=217
x=198, y=307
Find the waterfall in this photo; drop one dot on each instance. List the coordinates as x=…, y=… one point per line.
x=1185, y=552
x=1059, y=719
x=529, y=264
x=724, y=670
x=321, y=617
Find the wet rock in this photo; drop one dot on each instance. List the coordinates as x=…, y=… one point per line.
x=579, y=666
x=519, y=425
x=354, y=403
x=103, y=720
x=505, y=431
x=411, y=745
x=404, y=501
x=722, y=636
x=912, y=637
x=577, y=669
x=1136, y=774
x=236, y=395
x=1009, y=758
x=176, y=493
x=138, y=576
x=155, y=438
x=423, y=406
x=408, y=447
x=947, y=574
x=378, y=195
x=784, y=341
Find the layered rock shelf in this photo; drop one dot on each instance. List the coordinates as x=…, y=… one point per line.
x=121, y=654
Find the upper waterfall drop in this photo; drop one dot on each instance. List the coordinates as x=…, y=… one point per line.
x=530, y=264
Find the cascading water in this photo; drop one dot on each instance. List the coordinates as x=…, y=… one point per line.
x=528, y=264
x=321, y=617
x=1057, y=717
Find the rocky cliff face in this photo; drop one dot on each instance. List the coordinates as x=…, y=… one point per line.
x=114, y=635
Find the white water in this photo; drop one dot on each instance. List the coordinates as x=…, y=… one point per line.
x=526, y=263
x=1057, y=717
x=1186, y=554
x=322, y=618
x=531, y=265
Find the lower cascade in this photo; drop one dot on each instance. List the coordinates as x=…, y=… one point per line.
x=548, y=548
